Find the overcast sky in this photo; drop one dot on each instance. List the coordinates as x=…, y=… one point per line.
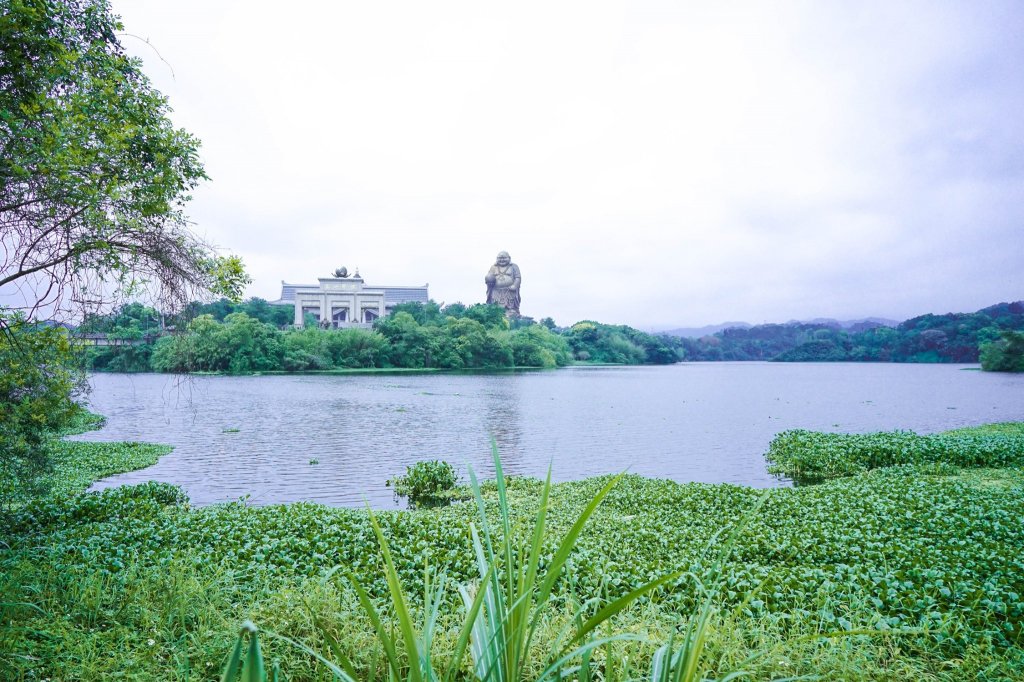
x=649, y=163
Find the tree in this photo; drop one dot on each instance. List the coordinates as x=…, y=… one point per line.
x=248, y=345
x=197, y=350
x=410, y=344
x=490, y=315
x=428, y=313
x=536, y=346
x=38, y=383
x=1004, y=355
x=354, y=347
x=474, y=347
x=93, y=175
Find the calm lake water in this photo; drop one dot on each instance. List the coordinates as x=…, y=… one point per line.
x=708, y=422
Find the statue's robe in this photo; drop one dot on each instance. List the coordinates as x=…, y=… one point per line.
x=500, y=282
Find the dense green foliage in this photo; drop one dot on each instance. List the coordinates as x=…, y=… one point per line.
x=248, y=337
x=953, y=337
x=595, y=342
x=258, y=308
x=456, y=336
x=1005, y=354
x=39, y=380
x=814, y=456
x=135, y=328
x=425, y=483
x=241, y=344
x=134, y=580
x=94, y=177
x=131, y=320
x=443, y=341
x=131, y=329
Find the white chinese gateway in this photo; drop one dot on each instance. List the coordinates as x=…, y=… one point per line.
x=342, y=302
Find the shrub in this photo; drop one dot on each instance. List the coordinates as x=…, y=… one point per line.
x=39, y=378
x=425, y=483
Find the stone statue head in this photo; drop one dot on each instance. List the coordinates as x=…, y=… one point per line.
x=504, y=258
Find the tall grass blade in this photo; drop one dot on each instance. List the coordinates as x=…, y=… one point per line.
x=554, y=569
x=556, y=668
x=400, y=604
x=473, y=606
x=334, y=645
x=234, y=663
x=254, y=670
x=386, y=642
x=517, y=595
x=621, y=603
x=490, y=647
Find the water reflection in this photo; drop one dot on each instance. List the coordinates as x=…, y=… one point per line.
x=504, y=420
x=337, y=439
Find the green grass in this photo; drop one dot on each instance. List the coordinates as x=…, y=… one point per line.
x=135, y=583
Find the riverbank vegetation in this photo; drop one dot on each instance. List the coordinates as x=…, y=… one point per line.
x=912, y=571
x=430, y=340
x=39, y=382
x=414, y=336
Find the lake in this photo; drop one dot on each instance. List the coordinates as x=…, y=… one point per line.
x=337, y=439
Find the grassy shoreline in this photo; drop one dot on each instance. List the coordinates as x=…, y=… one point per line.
x=134, y=581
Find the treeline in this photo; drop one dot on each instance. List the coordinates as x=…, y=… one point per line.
x=249, y=337
x=953, y=337
x=256, y=336
x=135, y=320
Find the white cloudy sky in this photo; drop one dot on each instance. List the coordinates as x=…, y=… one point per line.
x=648, y=163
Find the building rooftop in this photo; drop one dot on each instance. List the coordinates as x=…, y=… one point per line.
x=393, y=295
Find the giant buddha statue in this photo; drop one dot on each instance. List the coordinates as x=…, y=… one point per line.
x=503, y=281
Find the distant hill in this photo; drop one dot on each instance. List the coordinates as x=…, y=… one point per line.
x=861, y=324
x=950, y=337
x=855, y=325
x=697, y=332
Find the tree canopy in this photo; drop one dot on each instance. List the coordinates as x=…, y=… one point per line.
x=252, y=337
x=94, y=177
x=1005, y=354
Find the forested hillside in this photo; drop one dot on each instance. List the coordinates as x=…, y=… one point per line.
x=952, y=337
